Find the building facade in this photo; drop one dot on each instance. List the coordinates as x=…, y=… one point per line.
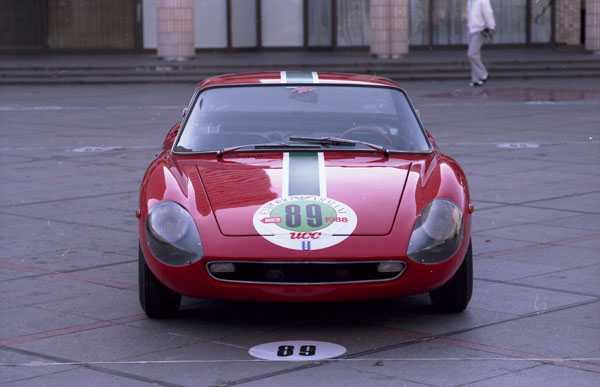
x=381, y=26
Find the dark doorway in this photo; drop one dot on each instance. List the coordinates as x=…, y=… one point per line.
x=91, y=24
x=22, y=24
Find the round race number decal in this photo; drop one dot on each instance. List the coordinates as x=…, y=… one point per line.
x=304, y=222
x=297, y=350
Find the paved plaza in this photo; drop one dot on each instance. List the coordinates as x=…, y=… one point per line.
x=71, y=161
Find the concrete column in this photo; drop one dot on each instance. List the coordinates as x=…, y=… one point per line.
x=399, y=27
x=592, y=25
x=175, y=32
x=380, y=28
x=568, y=22
x=389, y=28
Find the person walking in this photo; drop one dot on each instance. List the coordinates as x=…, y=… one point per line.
x=480, y=21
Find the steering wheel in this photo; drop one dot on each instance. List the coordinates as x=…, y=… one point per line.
x=367, y=129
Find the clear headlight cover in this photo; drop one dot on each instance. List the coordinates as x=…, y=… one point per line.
x=172, y=235
x=438, y=232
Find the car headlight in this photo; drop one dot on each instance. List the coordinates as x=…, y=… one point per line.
x=172, y=235
x=438, y=232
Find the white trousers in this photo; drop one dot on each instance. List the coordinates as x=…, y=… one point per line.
x=478, y=70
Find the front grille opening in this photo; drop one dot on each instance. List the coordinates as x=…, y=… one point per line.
x=305, y=272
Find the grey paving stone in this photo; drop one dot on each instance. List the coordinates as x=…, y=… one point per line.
x=32, y=236
x=7, y=274
x=543, y=376
x=487, y=244
x=584, y=221
x=23, y=320
x=481, y=222
x=588, y=169
x=106, y=217
x=6, y=304
x=493, y=218
x=584, y=315
x=125, y=271
x=582, y=280
x=68, y=259
x=15, y=367
x=556, y=256
x=98, y=304
x=520, y=300
x=428, y=321
x=519, y=170
x=41, y=289
x=586, y=203
x=504, y=270
x=356, y=373
x=81, y=377
x=591, y=357
x=473, y=364
x=539, y=335
x=208, y=374
x=592, y=244
x=111, y=343
x=538, y=234
x=480, y=205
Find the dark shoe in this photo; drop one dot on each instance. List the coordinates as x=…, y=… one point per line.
x=475, y=84
x=486, y=79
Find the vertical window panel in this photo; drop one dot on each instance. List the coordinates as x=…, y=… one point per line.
x=282, y=23
x=243, y=23
x=511, y=19
x=319, y=23
x=418, y=22
x=541, y=21
x=210, y=23
x=449, y=22
x=149, y=27
x=353, y=23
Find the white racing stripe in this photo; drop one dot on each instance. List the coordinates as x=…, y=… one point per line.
x=299, y=77
x=322, y=182
x=285, y=179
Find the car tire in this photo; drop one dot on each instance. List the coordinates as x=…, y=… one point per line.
x=156, y=299
x=454, y=295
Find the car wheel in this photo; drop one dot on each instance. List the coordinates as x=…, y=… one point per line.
x=156, y=299
x=454, y=295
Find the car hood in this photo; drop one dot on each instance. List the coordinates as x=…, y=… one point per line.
x=239, y=186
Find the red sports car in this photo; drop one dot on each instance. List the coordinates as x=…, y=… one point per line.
x=299, y=187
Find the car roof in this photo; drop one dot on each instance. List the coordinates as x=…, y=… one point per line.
x=295, y=77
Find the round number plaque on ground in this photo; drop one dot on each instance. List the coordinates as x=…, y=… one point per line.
x=297, y=350
x=517, y=145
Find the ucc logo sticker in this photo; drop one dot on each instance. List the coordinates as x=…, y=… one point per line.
x=305, y=222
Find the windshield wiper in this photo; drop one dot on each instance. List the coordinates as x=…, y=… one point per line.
x=273, y=145
x=336, y=141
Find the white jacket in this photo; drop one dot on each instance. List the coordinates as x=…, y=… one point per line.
x=480, y=16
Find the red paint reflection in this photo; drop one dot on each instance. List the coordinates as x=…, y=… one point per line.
x=237, y=186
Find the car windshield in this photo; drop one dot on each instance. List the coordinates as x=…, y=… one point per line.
x=286, y=115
